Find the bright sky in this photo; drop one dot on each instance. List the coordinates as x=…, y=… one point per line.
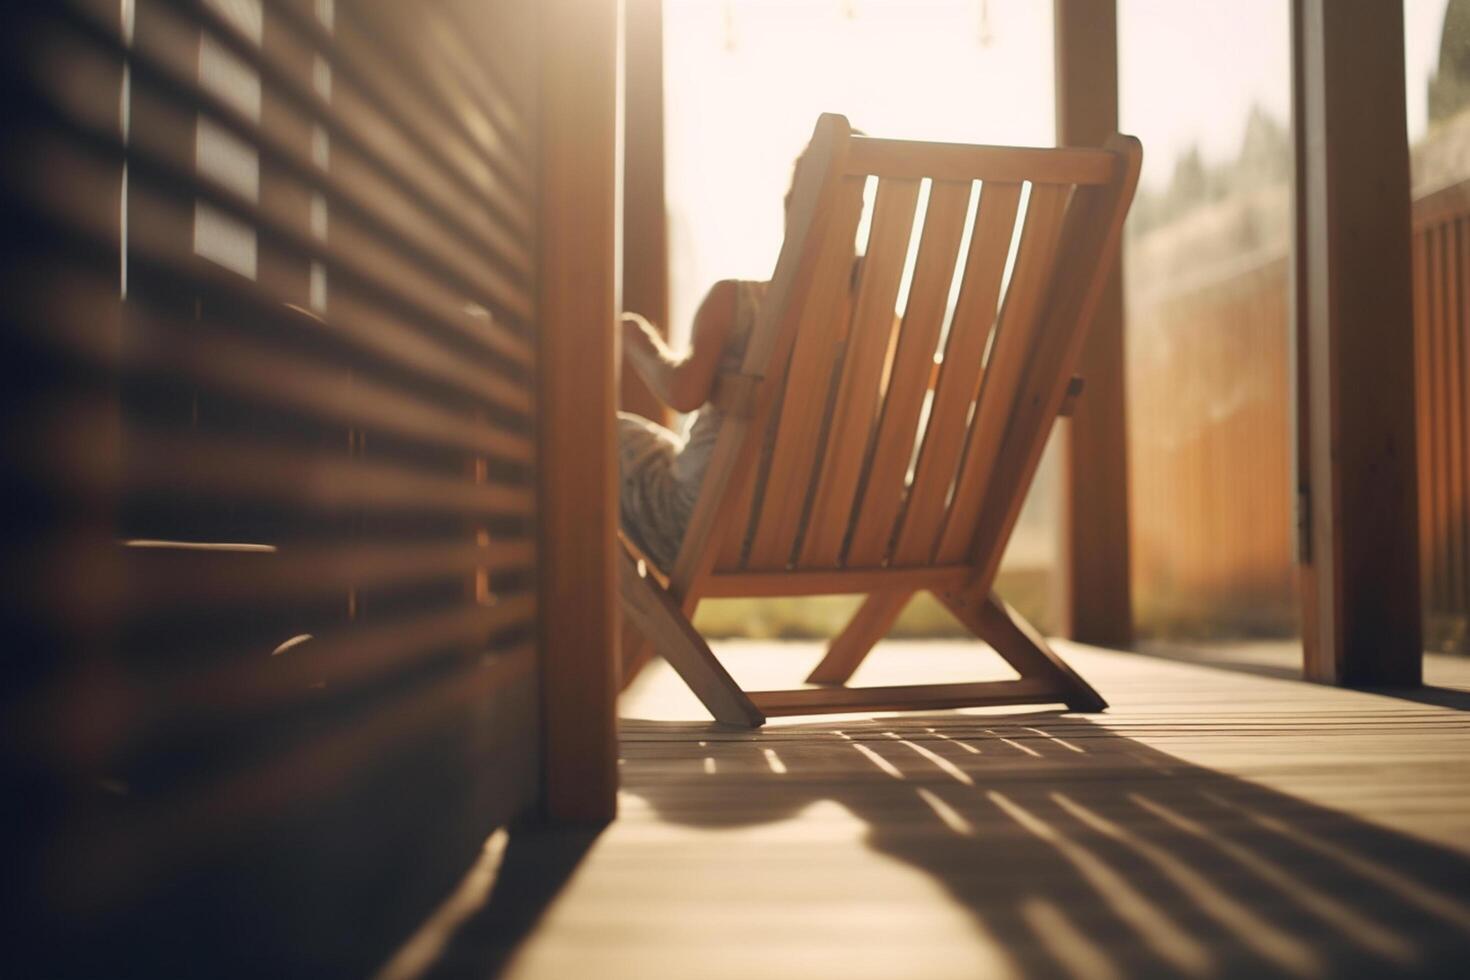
x=746, y=79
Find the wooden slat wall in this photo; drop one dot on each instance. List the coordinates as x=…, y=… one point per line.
x=1442, y=400
x=273, y=283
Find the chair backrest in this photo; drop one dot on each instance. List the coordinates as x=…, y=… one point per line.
x=909, y=380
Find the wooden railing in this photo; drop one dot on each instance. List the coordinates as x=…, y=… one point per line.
x=1210, y=462
x=1210, y=440
x=1442, y=397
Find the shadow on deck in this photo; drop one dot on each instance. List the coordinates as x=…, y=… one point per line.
x=1031, y=844
x=1078, y=852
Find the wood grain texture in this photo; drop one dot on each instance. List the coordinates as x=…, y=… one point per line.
x=578, y=499
x=727, y=492
x=955, y=161
x=645, y=211
x=831, y=581
x=1095, y=564
x=869, y=345
x=1441, y=272
x=1357, y=304
x=662, y=622
x=1091, y=239
x=1424, y=413
x=906, y=697
x=278, y=459
x=867, y=627
x=959, y=375
x=1001, y=386
x=1021, y=646
x=934, y=269
x=1220, y=806
x=795, y=348
x=809, y=379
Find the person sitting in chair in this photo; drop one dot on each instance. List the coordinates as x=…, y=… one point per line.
x=660, y=471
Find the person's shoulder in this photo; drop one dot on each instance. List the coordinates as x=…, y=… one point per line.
x=720, y=301
x=724, y=290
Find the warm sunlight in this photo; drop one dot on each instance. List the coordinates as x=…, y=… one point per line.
x=1045, y=552
x=745, y=81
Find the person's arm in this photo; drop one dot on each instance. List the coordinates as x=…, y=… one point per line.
x=683, y=382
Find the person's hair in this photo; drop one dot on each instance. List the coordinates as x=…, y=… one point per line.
x=796, y=169
x=855, y=276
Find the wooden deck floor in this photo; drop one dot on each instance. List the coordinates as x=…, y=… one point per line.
x=1213, y=823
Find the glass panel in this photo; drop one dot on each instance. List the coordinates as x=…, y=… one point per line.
x=1437, y=90
x=1207, y=88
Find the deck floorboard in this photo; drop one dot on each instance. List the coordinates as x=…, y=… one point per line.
x=1214, y=822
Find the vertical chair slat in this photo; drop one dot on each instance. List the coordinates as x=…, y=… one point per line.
x=857, y=394
x=719, y=513
x=999, y=387
x=1093, y=228
x=731, y=550
x=1041, y=327
x=808, y=382
x=912, y=362
x=959, y=374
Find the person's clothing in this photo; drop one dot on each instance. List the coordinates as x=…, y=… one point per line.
x=661, y=472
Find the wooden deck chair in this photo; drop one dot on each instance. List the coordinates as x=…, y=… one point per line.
x=869, y=453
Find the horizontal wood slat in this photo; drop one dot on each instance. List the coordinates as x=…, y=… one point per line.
x=372, y=103
x=73, y=177
x=214, y=357
x=831, y=582
x=379, y=160
x=907, y=697
x=156, y=838
x=262, y=472
x=274, y=300
x=956, y=161
x=162, y=574
x=347, y=656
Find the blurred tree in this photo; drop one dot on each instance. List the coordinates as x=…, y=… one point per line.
x=1449, y=89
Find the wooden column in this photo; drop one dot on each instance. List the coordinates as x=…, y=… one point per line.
x=579, y=302
x=1094, y=566
x=1354, y=308
x=645, y=218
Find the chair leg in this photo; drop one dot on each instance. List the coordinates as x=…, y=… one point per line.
x=851, y=647
x=660, y=619
x=1021, y=646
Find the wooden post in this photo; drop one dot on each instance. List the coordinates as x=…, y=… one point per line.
x=645, y=219
x=1094, y=565
x=1354, y=304
x=578, y=509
